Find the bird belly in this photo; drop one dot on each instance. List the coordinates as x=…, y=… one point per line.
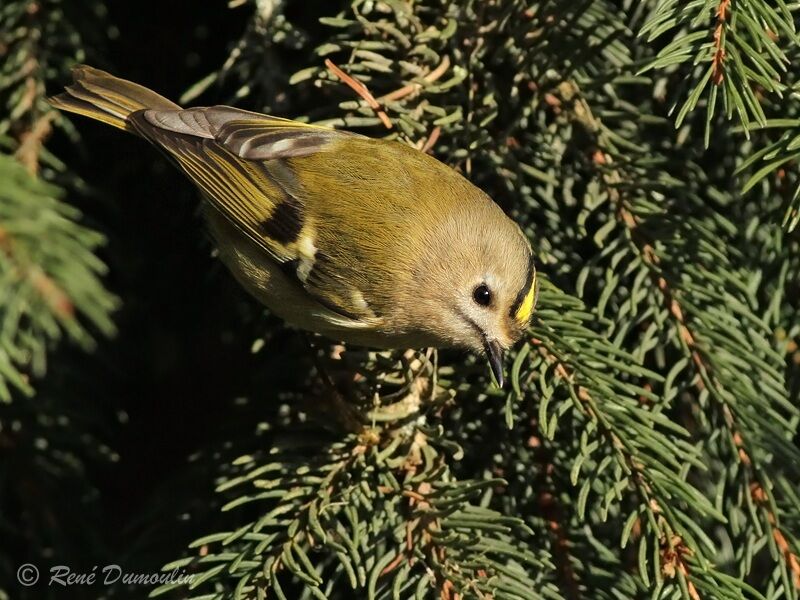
x=263, y=278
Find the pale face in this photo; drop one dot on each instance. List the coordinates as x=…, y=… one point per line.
x=495, y=304
x=476, y=269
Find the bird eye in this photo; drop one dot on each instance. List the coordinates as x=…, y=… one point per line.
x=482, y=295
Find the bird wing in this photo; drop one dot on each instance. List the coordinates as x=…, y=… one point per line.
x=239, y=160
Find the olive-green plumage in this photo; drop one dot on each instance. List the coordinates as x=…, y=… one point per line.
x=359, y=239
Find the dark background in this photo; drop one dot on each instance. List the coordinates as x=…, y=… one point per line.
x=175, y=366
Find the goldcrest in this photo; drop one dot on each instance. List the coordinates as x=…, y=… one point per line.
x=362, y=240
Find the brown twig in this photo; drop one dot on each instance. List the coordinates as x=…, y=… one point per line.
x=783, y=546
x=412, y=88
x=675, y=553
x=31, y=142
x=52, y=294
x=31, y=138
x=420, y=499
x=582, y=393
x=360, y=89
x=396, y=562
x=761, y=497
x=553, y=514
x=718, y=62
x=432, y=139
x=425, y=524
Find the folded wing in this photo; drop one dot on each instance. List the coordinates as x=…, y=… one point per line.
x=239, y=160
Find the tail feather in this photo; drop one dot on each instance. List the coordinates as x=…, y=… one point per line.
x=101, y=96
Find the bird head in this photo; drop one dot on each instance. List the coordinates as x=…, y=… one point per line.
x=481, y=265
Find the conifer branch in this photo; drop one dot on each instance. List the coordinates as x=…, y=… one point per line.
x=673, y=547
x=706, y=377
x=47, y=286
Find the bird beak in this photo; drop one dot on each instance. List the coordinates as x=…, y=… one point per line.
x=494, y=352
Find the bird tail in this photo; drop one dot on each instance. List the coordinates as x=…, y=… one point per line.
x=101, y=96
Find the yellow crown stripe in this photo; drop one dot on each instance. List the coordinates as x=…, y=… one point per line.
x=526, y=307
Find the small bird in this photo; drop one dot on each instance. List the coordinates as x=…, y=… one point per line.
x=362, y=240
